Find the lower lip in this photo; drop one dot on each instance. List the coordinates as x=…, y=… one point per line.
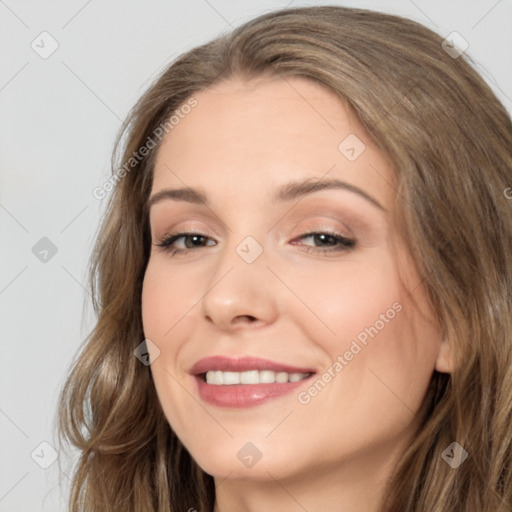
x=244, y=395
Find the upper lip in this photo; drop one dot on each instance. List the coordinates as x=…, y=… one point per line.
x=241, y=364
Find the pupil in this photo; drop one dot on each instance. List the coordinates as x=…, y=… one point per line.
x=325, y=238
x=194, y=239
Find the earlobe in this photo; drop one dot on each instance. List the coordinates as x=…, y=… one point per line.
x=444, y=361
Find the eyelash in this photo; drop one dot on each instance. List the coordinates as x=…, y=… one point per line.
x=346, y=243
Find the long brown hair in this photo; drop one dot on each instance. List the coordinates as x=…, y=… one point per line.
x=450, y=141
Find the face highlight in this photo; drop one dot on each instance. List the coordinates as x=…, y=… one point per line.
x=273, y=238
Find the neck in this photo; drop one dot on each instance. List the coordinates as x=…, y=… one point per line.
x=354, y=485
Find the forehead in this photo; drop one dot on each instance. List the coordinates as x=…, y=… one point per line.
x=269, y=131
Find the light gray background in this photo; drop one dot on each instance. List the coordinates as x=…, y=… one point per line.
x=58, y=120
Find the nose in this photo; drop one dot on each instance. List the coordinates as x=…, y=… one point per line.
x=241, y=295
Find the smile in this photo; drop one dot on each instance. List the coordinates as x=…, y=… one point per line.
x=239, y=382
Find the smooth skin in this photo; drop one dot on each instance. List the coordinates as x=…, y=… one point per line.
x=239, y=145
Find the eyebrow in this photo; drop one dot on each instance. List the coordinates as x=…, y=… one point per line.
x=286, y=192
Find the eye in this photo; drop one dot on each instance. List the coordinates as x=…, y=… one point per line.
x=191, y=241
x=329, y=242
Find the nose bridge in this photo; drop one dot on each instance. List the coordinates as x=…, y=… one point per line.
x=241, y=284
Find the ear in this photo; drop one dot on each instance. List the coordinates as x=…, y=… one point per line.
x=445, y=362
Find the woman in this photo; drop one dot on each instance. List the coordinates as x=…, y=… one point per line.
x=303, y=281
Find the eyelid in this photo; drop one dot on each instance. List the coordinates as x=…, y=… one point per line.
x=187, y=220
x=324, y=224
x=190, y=226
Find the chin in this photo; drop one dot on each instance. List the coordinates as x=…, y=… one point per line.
x=245, y=461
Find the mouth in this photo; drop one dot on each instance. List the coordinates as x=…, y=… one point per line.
x=245, y=381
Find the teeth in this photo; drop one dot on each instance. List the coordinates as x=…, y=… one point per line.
x=267, y=377
x=250, y=377
x=219, y=378
x=230, y=377
x=281, y=377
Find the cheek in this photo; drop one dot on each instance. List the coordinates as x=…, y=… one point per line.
x=167, y=296
x=366, y=321
x=346, y=299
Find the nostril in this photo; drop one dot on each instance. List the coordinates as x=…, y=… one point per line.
x=244, y=319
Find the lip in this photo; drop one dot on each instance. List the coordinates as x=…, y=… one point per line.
x=239, y=396
x=242, y=364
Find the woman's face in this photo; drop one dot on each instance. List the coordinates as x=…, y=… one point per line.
x=292, y=259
